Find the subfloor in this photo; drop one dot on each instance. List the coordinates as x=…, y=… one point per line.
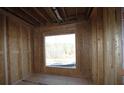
x=38, y=79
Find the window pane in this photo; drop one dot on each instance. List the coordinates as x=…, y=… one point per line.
x=60, y=51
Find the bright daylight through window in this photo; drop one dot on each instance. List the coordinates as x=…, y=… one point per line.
x=60, y=51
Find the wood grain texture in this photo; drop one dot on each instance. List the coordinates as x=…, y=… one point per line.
x=2, y=69
x=19, y=50
x=13, y=50
x=97, y=46
x=38, y=55
x=82, y=43
x=106, y=45
x=19, y=53
x=112, y=45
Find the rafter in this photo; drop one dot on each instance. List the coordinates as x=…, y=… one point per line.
x=26, y=12
x=38, y=16
x=89, y=12
x=21, y=15
x=38, y=12
x=53, y=14
x=64, y=12
x=57, y=14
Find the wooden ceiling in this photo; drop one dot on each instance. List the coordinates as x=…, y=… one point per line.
x=49, y=15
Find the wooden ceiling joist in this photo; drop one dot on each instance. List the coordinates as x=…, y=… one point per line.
x=21, y=16
x=49, y=15
x=52, y=13
x=30, y=15
x=89, y=12
x=44, y=17
x=57, y=14
x=64, y=12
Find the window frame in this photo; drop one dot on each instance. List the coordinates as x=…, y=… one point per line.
x=52, y=33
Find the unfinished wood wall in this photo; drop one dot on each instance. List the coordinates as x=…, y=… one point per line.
x=106, y=45
x=2, y=67
x=97, y=46
x=83, y=44
x=19, y=49
x=112, y=45
x=122, y=19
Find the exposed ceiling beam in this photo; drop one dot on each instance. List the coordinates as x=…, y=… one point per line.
x=21, y=15
x=26, y=12
x=44, y=17
x=51, y=14
x=79, y=18
x=64, y=12
x=57, y=14
x=89, y=11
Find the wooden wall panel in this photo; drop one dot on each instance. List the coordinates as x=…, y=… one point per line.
x=84, y=46
x=26, y=44
x=94, y=50
x=112, y=45
x=100, y=46
x=106, y=46
x=25, y=50
x=19, y=50
x=122, y=19
x=97, y=46
x=14, y=50
x=2, y=72
x=38, y=52
x=83, y=42
x=30, y=49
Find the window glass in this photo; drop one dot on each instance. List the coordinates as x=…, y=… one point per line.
x=60, y=51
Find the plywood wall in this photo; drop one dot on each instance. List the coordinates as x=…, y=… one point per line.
x=19, y=49
x=83, y=46
x=106, y=45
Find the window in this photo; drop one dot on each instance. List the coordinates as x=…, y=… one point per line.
x=60, y=51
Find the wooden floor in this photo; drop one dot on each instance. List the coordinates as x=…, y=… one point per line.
x=38, y=79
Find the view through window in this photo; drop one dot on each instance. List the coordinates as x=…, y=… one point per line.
x=60, y=51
